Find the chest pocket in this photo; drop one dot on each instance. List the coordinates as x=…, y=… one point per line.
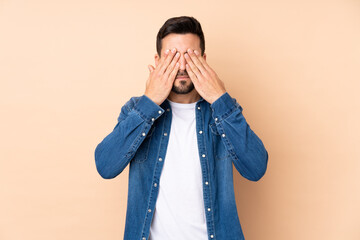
x=143, y=151
x=220, y=152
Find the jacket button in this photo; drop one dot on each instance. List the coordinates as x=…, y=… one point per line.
x=165, y=134
x=153, y=119
x=159, y=112
x=155, y=184
x=203, y=155
x=144, y=238
x=160, y=159
x=212, y=236
x=199, y=108
x=223, y=135
x=143, y=134
x=168, y=109
x=216, y=119
x=209, y=209
x=200, y=132
x=149, y=210
x=207, y=183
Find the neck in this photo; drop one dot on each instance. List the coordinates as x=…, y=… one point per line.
x=190, y=97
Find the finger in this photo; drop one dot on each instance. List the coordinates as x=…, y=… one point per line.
x=162, y=59
x=165, y=54
x=196, y=61
x=203, y=61
x=151, y=68
x=192, y=75
x=172, y=65
x=173, y=73
x=192, y=66
x=167, y=60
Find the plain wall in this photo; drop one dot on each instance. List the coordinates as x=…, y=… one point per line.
x=67, y=68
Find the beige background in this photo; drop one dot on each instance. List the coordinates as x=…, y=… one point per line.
x=67, y=67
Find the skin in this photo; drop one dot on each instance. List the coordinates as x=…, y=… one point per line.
x=164, y=81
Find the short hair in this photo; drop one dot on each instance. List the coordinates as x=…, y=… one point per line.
x=180, y=25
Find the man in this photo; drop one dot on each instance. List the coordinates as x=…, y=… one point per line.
x=181, y=138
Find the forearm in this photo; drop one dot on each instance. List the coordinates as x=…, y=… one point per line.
x=116, y=150
x=245, y=147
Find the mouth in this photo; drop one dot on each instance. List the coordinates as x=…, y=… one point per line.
x=182, y=77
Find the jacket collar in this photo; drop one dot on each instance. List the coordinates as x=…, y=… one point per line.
x=166, y=103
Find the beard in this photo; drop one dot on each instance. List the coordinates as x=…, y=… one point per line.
x=183, y=87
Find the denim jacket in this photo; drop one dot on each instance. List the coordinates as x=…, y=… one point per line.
x=140, y=138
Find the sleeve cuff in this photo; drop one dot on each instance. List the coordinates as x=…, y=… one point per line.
x=148, y=109
x=223, y=106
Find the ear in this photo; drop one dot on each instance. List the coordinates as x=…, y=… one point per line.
x=204, y=56
x=157, y=59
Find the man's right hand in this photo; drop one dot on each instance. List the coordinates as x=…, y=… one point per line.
x=161, y=78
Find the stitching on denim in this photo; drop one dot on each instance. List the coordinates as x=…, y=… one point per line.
x=208, y=173
x=130, y=105
x=213, y=128
x=150, y=133
x=227, y=153
x=228, y=113
x=150, y=197
x=235, y=157
x=132, y=147
x=217, y=134
x=138, y=111
x=142, y=115
x=228, y=143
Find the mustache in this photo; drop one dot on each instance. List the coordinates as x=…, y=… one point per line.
x=182, y=74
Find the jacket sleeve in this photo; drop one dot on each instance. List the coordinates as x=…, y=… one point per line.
x=116, y=150
x=246, y=149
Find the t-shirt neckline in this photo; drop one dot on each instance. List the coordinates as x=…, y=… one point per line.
x=182, y=105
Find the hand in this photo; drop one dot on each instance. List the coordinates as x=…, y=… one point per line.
x=161, y=78
x=205, y=80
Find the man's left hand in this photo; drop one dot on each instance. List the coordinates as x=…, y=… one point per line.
x=205, y=80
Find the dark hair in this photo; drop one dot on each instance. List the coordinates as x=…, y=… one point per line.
x=181, y=25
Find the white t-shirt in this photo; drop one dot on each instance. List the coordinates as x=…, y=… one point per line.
x=179, y=211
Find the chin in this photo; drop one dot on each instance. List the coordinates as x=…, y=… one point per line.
x=180, y=88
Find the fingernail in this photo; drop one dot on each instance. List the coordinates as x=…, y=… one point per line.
x=167, y=51
x=173, y=50
x=196, y=52
x=177, y=54
x=189, y=50
x=186, y=55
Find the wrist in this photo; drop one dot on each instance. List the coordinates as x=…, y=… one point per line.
x=152, y=98
x=217, y=97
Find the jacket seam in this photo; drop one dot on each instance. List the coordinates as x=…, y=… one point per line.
x=208, y=172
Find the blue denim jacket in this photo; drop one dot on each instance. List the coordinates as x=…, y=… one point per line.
x=140, y=138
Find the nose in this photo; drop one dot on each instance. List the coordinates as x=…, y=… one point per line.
x=182, y=62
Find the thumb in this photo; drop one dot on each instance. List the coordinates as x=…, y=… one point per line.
x=151, y=68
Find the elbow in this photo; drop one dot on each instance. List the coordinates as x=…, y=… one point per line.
x=260, y=168
x=253, y=167
x=103, y=173
x=101, y=164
